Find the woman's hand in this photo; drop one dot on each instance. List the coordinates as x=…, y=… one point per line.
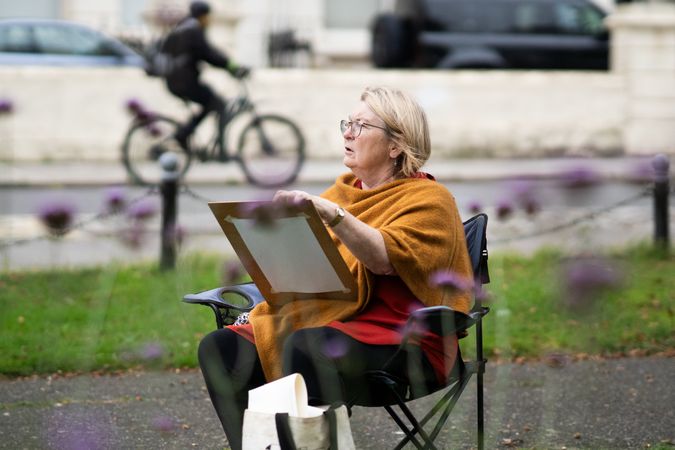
x=325, y=208
x=364, y=241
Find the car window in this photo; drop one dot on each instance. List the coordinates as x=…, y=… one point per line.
x=578, y=19
x=491, y=16
x=16, y=39
x=59, y=40
x=469, y=16
x=535, y=17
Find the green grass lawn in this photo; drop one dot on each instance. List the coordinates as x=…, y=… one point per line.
x=118, y=317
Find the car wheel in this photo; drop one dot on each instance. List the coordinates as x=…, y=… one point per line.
x=393, y=41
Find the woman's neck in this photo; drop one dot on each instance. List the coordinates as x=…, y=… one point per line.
x=374, y=182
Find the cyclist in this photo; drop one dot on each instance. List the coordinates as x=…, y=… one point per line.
x=188, y=48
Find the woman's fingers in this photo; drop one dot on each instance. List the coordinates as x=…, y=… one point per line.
x=292, y=197
x=323, y=206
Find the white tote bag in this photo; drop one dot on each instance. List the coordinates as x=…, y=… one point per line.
x=279, y=431
x=279, y=417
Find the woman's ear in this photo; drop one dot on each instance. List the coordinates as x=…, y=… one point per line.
x=394, y=151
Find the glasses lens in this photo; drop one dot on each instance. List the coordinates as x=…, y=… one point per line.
x=354, y=127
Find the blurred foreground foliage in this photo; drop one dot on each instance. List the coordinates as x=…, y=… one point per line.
x=120, y=317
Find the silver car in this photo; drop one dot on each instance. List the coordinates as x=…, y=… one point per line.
x=60, y=43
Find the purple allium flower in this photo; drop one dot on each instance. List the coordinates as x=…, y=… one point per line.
x=57, y=216
x=133, y=235
x=414, y=329
x=504, y=209
x=232, y=271
x=115, y=199
x=134, y=106
x=6, y=106
x=164, y=424
x=145, y=116
x=521, y=187
x=474, y=207
x=153, y=130
x=661, y=166
x=265, y=214
x=151, y=351
x=335, y=348
x=481, y=294
x=525, y=194
x=176, y=234
x=450, y=281
x=79, y=429
x=579, y=177
x=531, y=206
x=641, y=172
x=585, y=279
x=142, y=210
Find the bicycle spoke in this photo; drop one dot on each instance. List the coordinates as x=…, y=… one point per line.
x=271, y=151
x=145, y=143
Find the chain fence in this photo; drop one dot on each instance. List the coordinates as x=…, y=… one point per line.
x=577, y=221
x=186, y=191
x=80, y=225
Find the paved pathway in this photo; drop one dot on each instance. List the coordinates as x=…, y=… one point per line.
x=620, y=403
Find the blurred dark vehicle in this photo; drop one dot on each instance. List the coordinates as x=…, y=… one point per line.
x=491, y=34
x=60, y=43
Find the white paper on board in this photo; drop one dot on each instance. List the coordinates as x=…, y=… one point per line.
x=289, y=255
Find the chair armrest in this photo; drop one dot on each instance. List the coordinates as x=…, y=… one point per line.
x=214, y=297
x=443, y=320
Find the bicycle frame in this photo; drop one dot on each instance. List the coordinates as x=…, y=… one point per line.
x=217, y=149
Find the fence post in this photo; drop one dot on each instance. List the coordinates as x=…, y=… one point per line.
x=661, y=166
x=169, y=190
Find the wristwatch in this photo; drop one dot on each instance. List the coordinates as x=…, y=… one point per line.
x=339, y=215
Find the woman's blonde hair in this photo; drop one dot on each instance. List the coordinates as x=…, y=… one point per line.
x=406, y=124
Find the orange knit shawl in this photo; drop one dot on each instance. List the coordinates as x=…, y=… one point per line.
x=422, y=232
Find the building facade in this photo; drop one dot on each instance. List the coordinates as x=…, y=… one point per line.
x=330, y=32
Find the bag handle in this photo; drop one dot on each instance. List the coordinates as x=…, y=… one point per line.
x=332, y=427
x=285, y=435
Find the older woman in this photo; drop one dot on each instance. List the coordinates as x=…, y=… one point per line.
x=394, y=226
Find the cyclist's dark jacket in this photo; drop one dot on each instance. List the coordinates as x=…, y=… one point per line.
x=188, y=45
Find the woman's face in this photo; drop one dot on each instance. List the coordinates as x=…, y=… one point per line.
x=370, y=154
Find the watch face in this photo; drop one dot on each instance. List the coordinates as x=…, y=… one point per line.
x=339, y=215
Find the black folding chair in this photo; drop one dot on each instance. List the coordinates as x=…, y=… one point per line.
x=387, y=390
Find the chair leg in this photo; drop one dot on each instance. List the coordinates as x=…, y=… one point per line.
x=480, y=436
x=480, y=369
x=446, y=403
x=410, y=434
x=450, y=405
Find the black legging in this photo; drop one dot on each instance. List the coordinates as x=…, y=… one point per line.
x=209, y=101
x=332, y=364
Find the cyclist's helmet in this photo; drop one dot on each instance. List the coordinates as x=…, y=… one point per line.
x=199, y=9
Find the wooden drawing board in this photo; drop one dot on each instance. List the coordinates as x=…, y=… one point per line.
x=286, y=250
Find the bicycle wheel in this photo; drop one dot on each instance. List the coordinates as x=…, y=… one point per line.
x=271, y=151
x=143, y=145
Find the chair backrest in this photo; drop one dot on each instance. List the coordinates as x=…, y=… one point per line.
x=475, y=231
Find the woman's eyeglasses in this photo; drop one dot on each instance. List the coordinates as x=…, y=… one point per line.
x=356, y=127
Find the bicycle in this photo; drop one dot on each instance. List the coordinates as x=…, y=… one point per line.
x=270, y=147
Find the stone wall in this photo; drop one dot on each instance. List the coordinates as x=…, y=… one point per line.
x=65, y=113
